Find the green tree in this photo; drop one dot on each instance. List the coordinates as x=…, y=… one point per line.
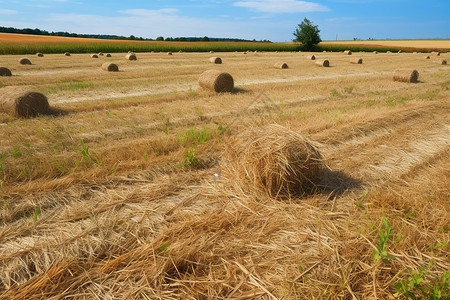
x=307, y=34
x=160, y=38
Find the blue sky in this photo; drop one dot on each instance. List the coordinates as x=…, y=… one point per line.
x=260, y=19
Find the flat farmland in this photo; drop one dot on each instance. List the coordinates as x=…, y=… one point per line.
x=123, y=194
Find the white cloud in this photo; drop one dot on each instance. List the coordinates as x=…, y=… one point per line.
x=8, y=12
x=282, y=6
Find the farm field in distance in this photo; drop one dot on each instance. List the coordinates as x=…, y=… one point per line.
x=123, y=195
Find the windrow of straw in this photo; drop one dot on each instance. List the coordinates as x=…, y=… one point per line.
x=20, y=101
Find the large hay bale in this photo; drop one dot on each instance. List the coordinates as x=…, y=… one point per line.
x=39, y=54
x=108, y=55
x=406, y=75
x=281, y=65
x=272, y=159
x=323, y=62
x=311, y=57
x=110, y=67
x=357, y=61
x=215, y=60
x=348, y=52
x=25, y=61
x=131, y=56
x=216, y=81
x=20, y=101
x=94, y=56
x=169, y=53
x=66, y=54
x=5, y=71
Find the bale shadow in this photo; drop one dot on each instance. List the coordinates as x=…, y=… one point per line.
x=238, y=90
x=336, y=183
x=56, y=112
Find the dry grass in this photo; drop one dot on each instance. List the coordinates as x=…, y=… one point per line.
x=135, y=211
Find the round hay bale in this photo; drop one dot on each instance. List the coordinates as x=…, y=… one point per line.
x=25, y=61
x=388, y=52
x=406, y=75
x=311, y=57
x=436, y=53
x=211, y=51
x=323, y=62
x=324, y=51
x=216, y=81
x=375, y=52
x=130, y=52
x=108, y=55
x=441, y=62
x=100, y=54
x=5, y=71
x=272, y=159
x=94, y=56
x=357, y=61
x=215, y=60
x=39, y=54
x=281, y=65
x=66, y=54
x=348, y=52
x=399, y=51
x=169, y=53
x=427, y=57
x=179, y=51
x=19, y=101
x=110, y=67
x=131, y=56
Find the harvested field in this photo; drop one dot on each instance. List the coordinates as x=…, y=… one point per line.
x=124, y=196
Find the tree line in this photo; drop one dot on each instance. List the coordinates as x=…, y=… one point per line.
x=37, y=31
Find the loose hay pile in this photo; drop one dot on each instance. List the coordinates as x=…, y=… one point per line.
x=406, y=75
x=131, y=56
x=216, y=81
x=5, y=71
x=281, y=65
x=110, y=67
x=272, y=159
x=215, y=60
x=323, y=63
x=358, y=61
x=19, y=101
x=25, y=61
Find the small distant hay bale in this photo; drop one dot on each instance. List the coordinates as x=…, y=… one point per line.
x=427, y=57
x=399, y=51
x=323, y=62
x=375, y=52
x=130, y=52
x=216, y=81
x=311, y=57
x=281, y=65
x=388, y=52
x=25, y=61
x=66, y=54
x=5, y=71
x=441, y=62
x=215, y=60
x=20, y=101
x=211, y=51
x=406, y=75
x=100, y=54
x=324, y=51
x=131, y=56
x=110, y=67
x=436, y=53
x=39, y=54
x=94, y=56
x=415, y=52
x=179, y=51
x=108, y=55
x=273, y=160
x=348, y=52
x=357, y=61
x=169, y=53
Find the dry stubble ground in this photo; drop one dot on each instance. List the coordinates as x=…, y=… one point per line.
x=140, y=214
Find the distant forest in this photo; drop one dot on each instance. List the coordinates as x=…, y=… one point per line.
x=37, y=31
